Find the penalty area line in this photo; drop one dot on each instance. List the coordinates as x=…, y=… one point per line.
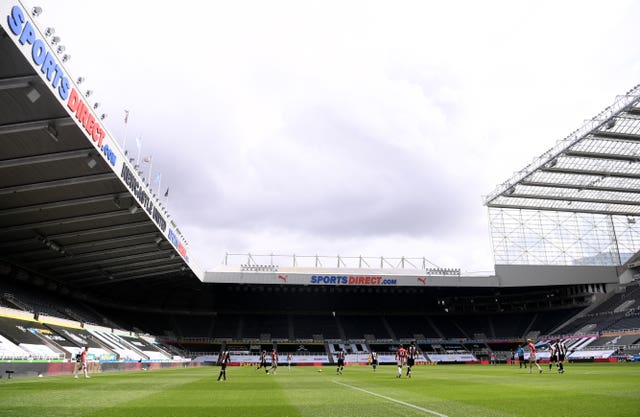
x=426, y=410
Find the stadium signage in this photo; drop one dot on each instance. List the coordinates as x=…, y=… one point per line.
x=351, y=280
x=58, y=80
x=145, y=201
x=175, y=242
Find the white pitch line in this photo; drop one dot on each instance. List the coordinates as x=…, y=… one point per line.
x=426, y=410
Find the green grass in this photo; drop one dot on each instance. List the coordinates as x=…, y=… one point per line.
x=585, y=390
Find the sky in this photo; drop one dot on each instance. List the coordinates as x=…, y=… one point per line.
x=352, y=128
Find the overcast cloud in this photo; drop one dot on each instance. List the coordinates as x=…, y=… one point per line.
x=367, y=128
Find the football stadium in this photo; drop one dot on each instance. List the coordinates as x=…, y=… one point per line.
x=91, y=258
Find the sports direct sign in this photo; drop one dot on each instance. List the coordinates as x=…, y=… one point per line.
x=45, y=60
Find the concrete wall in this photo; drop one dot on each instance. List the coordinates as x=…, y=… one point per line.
x=541, y=275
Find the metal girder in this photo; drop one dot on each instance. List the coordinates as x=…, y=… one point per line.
x=566, y=209
x=93, y=243
x=602, y=155
x=584, y=200
x=85, y=179
x=45, y=158
x=116, y=268
x=616, y=136
x=35, y=125
x=114, y=281
x=578, y=186
x=10, y=83
x=590, y=172
x=136, y=272
x=106, y=262
x=120, y=240
x=66, y=221
x=63, y=204
x=97, y=253
x=79, y=233
x=619, y=136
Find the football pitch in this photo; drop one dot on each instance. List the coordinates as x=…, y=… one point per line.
x=596, y=390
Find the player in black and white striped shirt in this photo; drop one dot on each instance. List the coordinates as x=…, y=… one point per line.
x=340, y=355
x=412, y=352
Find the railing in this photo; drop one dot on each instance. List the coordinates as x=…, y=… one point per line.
x=59, y=356
x=271, y=262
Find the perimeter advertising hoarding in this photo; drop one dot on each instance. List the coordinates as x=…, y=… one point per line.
x=17, y=22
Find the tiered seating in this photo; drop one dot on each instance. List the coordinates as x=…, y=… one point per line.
x=356, y=326
x=226, y=326
x=510, y=325
x=448, y=327
x=406, y=327
x=305, y=326
x=193, y=326
x=255, y=325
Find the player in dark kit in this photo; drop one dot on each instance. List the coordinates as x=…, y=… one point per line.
x=521, y=357
x=263, y=361
x=411, y=357
x=223, y=360
x=553, y=354
x=340, y=355
x=374, y=360
x=562, y=353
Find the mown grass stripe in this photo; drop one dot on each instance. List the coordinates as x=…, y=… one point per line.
x=406, y=404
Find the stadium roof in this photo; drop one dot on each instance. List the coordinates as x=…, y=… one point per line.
x=73, y=207
x=596, y=169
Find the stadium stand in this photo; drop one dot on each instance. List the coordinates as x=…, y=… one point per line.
x=82, y=263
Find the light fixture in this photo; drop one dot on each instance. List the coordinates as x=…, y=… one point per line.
x=51, y=130
x=133, y=209
x=172, y=256
x=88, y=93
x=36, y=11
x=80, y=80
x=611, y=123
x=60, y=49
x=103, y=116
x=49, y=31
x=96, y=105
x=116, y=201
x=159, y=239
x=91, y=162
x=66, y=58
x=33, y=95
x=55, y=40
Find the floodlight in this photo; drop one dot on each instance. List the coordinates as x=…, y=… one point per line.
x=36, y=11
x=33, y=95
x=49, y=31
x=91, y=162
